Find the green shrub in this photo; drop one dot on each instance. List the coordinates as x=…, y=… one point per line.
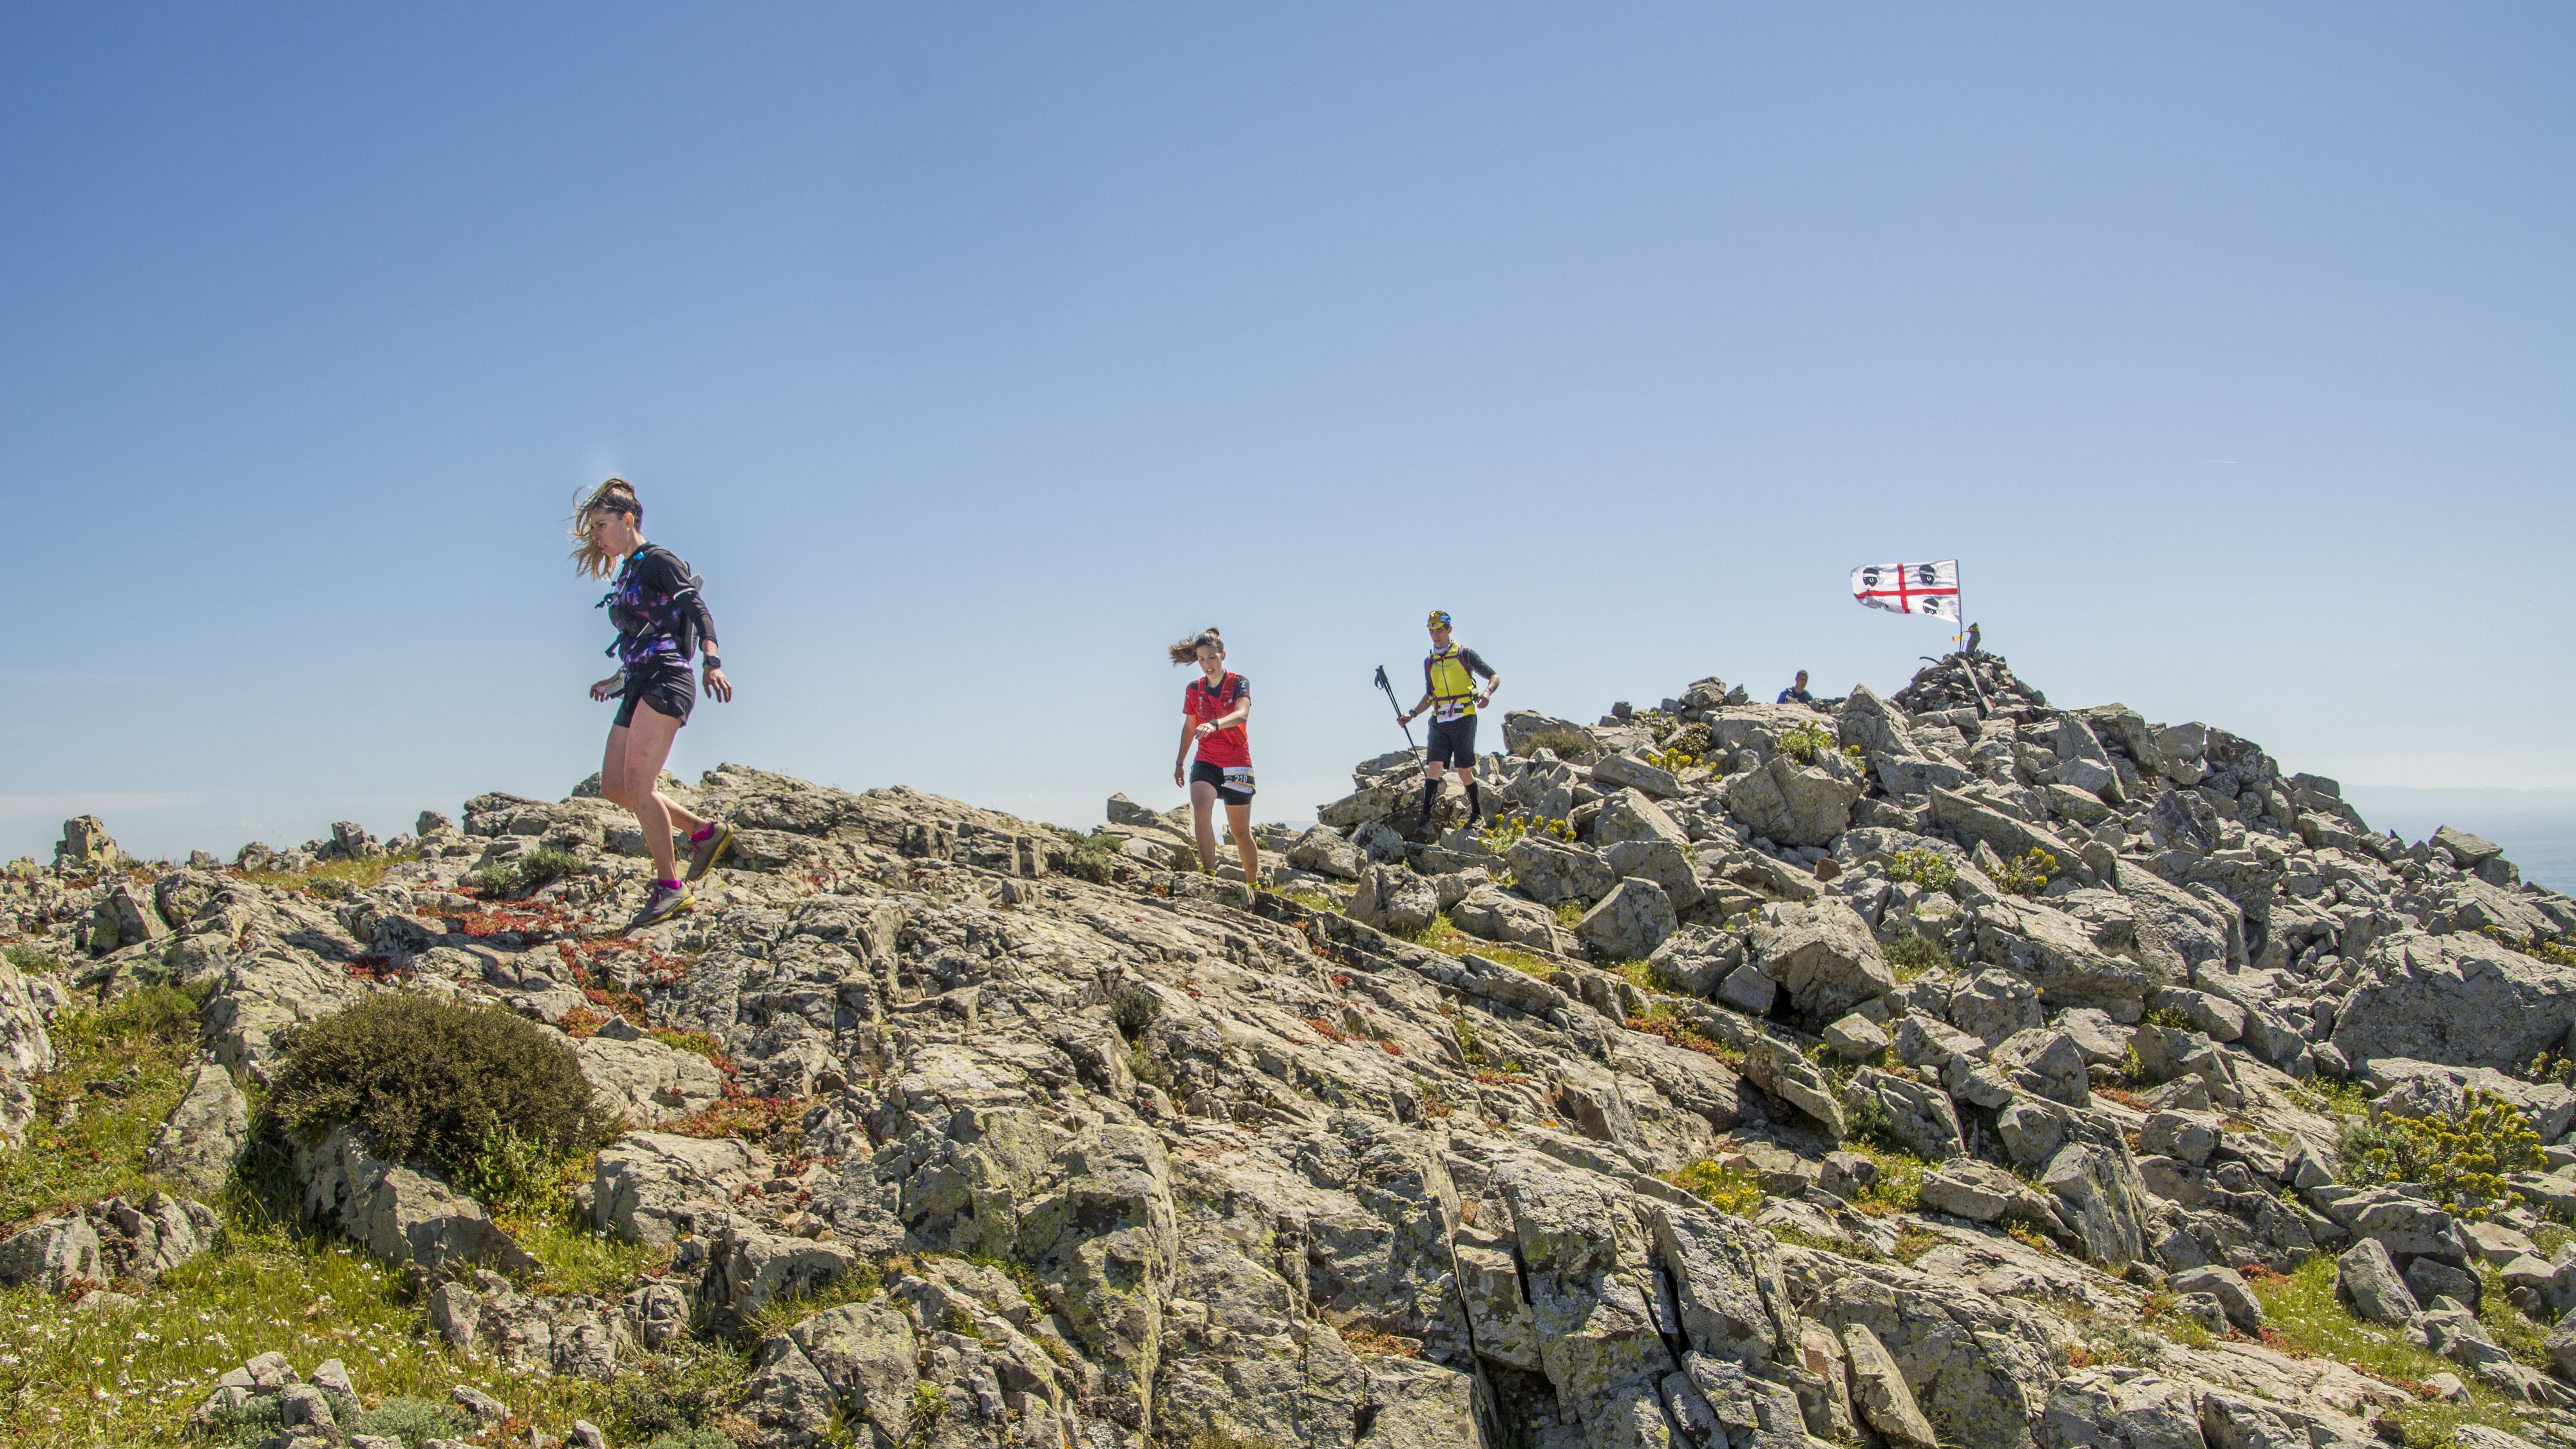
x=2028, y=873
x=31, y=959
x=1731, y=1190
x=1805, y=742
x=1913, y=954
x=1502, y=835
x=1133, y=1008
x=414, y=1421
x=434, y=1081
x=542, y=866
x=2463, y=1162
x=1931, y=869
x=1095, y=858
x=700, y=1437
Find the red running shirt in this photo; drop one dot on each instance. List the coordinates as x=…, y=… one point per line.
x=1227, y=746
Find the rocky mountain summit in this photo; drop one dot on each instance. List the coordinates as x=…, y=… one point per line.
x=1945, y=1068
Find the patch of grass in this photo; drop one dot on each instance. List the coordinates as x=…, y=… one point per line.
x=1311, y=900
x=861, y=1284
x=33, y=960
x=687, y=1041
x=2028, y=873
x=1646, y=976
x=1569, y=914
x=1899, y=1188
x=1735, y=1191
x=2463, y=1162
x=1480, y=1058
x=1661, y=1020
x=1803, y=743
x=1151, y=1070
x=334, y=877
x=538, y=867
x=434, y=1081
x=2517, y=1335
x=1840, y=1248
x=1913, y=1242
x=119, y=1071
x=131, y=1375
x=929, y=1402
x=2303, y=1318
x=1931, y=869
x=1913, y=954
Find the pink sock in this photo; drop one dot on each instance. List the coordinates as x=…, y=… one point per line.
x=668, y=885
x=703, y=834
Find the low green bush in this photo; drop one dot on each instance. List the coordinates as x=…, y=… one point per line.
x=414, y=1421
x=1931, y=869
x=1731, y=1190
x=1095, y=858
x=426, y=1080
x=2028, y=873
x=2464, y=1162
x=1803, y=743
x=1133, y=1007
x=1913, y=954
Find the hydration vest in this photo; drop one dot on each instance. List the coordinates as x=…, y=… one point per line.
x=1453, y=689
x=650, y=623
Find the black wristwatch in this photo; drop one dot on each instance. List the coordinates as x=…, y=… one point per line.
x=711, y=661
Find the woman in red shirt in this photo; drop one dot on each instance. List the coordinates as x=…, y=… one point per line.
x=1213, y=711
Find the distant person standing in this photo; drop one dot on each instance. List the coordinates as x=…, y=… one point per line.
x=661, y=619
x=1449, y=675
x=1214, y=710
x=1976, y=636
x=1797, y=693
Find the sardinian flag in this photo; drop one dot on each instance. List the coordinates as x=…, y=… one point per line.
x=1910, y=588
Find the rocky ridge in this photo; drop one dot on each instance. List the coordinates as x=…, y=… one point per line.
x=1073, y=1146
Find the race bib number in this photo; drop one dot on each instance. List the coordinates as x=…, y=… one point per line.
x=1452, y=709
x=1239, y=777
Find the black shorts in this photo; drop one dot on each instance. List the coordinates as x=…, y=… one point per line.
x=671, y=690
x=1453, y=742
x=1215, y=775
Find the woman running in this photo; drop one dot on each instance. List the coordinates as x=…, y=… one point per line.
x=661, y=619
x=1213, y=710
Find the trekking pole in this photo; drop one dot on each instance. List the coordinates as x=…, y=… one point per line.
x=1399, y=709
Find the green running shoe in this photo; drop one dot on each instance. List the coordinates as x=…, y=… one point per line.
x=661, y=906
x=704, y=853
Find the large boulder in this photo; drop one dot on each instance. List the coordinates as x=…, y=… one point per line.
x=1629, y=923
x=2122, y=1408
x=1496, y=915
x=1394, y=900
x=1326, y=851
x=1553, y=873
x=1661, y=861
x=25, y=1049
x=1792, y=804
x=2460, y=1000
x=2056, y=953
x=399, y=1213
x=1823, y=954
x=203, y=1136
x=1980, y=1368
x=655, y=1188
x=643, y=1081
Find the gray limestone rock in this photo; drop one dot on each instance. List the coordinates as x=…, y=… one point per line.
x=1554, y=873
x=1394, y=900
x=1629, y=923
x=2461, y=1000
x=1823, y=955
x=1793, y=804
x=1326, y=851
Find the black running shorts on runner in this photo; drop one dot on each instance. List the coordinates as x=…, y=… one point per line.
x=670, y=689
x=1232, y=794
x=1453, y=742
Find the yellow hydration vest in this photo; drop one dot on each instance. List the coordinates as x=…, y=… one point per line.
x=1453, y=689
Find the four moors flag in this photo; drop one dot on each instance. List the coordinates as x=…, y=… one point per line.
x=1910, y=588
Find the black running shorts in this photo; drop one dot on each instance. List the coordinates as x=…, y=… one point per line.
x=670, y=688
x=1233, y=784
x=1453, y=742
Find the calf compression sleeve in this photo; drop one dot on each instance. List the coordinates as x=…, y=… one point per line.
x=1475, y=806
x=1430, y=796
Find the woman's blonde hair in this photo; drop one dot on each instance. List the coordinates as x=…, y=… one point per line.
x=614, y=496
x=1187, y=650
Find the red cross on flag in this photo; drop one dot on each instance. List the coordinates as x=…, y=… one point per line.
x=1910, y=588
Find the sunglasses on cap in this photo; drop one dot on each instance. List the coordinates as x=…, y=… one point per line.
x=1439, y=619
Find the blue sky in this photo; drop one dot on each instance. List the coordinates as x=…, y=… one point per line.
x=972, y=353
